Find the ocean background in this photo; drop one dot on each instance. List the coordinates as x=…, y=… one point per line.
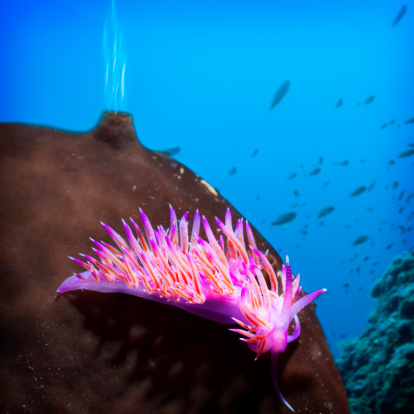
x=202, y=76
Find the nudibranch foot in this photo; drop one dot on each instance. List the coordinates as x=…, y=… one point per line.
x=222, y=280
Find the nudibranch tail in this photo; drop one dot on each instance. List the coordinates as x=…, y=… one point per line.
x=221, y=280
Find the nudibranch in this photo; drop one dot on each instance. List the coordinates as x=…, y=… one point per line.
x=222, y=280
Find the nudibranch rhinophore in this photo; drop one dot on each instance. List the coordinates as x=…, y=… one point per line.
x=221, y=280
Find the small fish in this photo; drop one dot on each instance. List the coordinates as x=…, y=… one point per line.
x=403, y=229
x=407, y=153
x=400, y=210
x=370, y=209
x=400, y=15
x=296, y=192
x=320, y=161
x=255, y=152
x=401, y=195
x=358, y=191
x=369, y=99
x=383, y=126
x=325, y=211
x=371, y=186
x=315, y=171
x=344, y=163
x=411, y=144
x=340, y=103
x=410, y=120
x=284, y=218
x=326, y=183
x=360, y=240
x=293, y=175
x=280, y=94
x=395, y=184
x=174, y=150
x=233, y=171
x=392, y=122
x=409, y=197
x=391, y=162
x=346, y=285
x=389, y=246
x=366, y=258
x=304, y=232
x=347, y=226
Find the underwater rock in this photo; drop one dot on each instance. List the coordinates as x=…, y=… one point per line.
x=115, y=353
x=378, y=367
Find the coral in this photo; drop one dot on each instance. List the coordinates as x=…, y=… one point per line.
x=378, y=367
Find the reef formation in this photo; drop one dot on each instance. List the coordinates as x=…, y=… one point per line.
x=378, y=367
x=107, y=353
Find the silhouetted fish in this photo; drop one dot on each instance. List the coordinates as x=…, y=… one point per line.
x=343, y=163
x=340, y=103
x=280, y=94
x=407, y=153
x=383, y=126
x=255, y=152
x=392, y=121
x=233, y=171
x=391, y=162
x=371, y=186
x=284, y=218
x=293, y=175
x=320, y=161
x=411, y=144
x=400, y=15
x=366, y=258
x=389, y=246
x=400, y=210
x=360, y=240
x=369, y=99
x=409, y=197
x=325, y=211
x=296, y=192
x=315, y=171
x=370, y=209
x=410, y=120
x=174, y=150
x=326, y=183
x=358, y=191
x=395, y=184
x=401, y=195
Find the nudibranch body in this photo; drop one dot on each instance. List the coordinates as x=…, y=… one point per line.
x=220, y=279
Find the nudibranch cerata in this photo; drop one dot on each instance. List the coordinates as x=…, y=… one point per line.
x=221, y=280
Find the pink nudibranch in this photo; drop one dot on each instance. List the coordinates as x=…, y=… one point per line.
x=218, y=280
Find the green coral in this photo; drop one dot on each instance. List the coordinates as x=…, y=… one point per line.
x=378, y=367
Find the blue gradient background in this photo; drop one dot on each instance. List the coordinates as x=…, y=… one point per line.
x=202, y=75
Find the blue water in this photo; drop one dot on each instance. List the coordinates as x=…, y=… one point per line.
x=202, y=76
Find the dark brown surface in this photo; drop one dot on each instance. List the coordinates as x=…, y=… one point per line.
x=91, y=352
